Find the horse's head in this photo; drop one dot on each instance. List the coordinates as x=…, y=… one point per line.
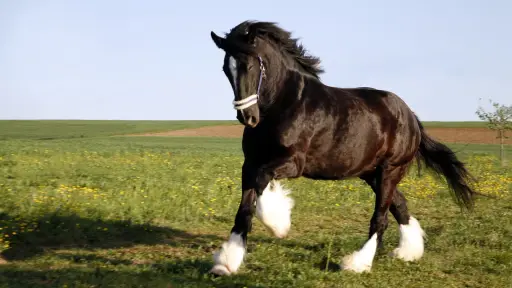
x=245, y=62
x=258, y=57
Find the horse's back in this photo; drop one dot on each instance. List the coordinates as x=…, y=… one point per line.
x=397, y=121
x=368, y=126
x=386, y=105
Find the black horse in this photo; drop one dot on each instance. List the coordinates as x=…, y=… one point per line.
x=297, y=126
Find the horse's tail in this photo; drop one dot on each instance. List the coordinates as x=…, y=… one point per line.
x=442, y=160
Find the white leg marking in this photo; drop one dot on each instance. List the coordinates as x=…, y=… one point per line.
x=361, y=261
x=230, y=257
x=273, y=208
x=233, y=69
x=411, y=246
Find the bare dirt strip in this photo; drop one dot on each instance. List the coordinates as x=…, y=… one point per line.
x=448, y=135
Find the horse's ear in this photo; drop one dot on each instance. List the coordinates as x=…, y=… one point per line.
x=219, y=41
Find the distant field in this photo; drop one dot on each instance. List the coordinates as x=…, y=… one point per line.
x=103, y=211
x=63, y=129
x=461, y=124
x=448, y=132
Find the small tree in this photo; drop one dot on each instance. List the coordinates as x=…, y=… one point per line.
x=500, y=120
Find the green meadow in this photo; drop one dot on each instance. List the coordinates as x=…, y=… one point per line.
x=84, y=206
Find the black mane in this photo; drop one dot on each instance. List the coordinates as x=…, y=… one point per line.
x=283, y=40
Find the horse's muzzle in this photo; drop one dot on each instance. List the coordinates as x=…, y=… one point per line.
x=250, y=117
x=251, y=121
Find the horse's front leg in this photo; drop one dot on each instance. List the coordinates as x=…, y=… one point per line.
x=273, y=208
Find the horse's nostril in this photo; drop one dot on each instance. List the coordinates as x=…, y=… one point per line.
x=252, y=121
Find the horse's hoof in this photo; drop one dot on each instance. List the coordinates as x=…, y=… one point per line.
x=361, y=261
x=229, y=258
x=220, y=270
x=351, y=263
x=411, y=246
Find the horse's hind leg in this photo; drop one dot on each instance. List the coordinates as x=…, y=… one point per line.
x=386, y=179
x=411, y=244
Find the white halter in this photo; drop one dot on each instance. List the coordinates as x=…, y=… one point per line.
x=246, y=102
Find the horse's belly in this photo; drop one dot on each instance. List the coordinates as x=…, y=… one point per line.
x=326, y=170
x=335, y=167
x=322, y=176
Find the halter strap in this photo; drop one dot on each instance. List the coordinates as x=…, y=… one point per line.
x=253, y=99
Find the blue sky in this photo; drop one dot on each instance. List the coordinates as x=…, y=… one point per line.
x=155, y=59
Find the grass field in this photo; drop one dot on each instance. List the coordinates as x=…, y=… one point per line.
x=65, y=129
x=98, y=211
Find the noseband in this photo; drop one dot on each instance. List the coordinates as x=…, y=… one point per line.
x=253, y=99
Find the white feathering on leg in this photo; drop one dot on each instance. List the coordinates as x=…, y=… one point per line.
x=361, y=261
x=274, y=207
x=230, y=257
x=411, y=244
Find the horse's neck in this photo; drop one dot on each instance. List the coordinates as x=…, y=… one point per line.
x=287, y=93
x=292, y=88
